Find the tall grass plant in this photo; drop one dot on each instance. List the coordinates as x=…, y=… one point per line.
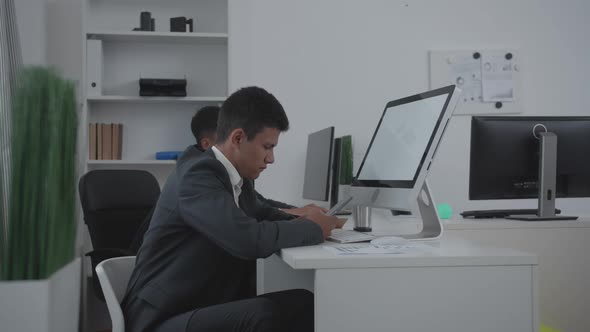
x=346, y=160
x=39, y=237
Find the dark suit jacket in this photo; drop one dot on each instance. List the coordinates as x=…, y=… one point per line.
x=138, y=238
x=272, y=203
x=200, y=248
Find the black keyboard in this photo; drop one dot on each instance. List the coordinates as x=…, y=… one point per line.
x=480, y=214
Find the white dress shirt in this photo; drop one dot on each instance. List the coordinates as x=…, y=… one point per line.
x=234, y=177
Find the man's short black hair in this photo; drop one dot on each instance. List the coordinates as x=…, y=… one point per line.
x=204, y=122
x=252, y=109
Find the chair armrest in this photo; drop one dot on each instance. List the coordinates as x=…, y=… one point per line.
x=99, y=255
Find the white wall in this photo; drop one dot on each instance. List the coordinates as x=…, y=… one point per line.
x=31, y=20
x=335, y=62
x=64, y=38
x=50, y=34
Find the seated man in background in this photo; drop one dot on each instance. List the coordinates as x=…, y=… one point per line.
x=204, y=126
x=193, y=270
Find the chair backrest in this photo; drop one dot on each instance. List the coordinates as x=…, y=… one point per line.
x=115, y=203
x=114, y=274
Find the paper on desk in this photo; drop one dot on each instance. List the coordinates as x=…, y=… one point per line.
x=370, y=249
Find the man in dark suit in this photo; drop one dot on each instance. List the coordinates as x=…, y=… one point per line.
x=204, y=129
x=193, y=270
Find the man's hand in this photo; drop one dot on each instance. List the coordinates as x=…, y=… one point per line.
x=306, y=210
x=340, y=222
x=327, y=223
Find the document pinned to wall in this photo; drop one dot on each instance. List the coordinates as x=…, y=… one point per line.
x=466, y=72
x=490, y=80
x=497, y=71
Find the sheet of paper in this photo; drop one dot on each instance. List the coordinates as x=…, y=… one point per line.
x=497, y=75
x=369, y=249
x=466, y=74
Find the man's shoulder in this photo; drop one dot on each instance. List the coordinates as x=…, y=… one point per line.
x=195, y=160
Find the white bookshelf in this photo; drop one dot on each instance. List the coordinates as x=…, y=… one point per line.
x=131, y=162
x=157, y=37
x=158, y=100
x=153, y=124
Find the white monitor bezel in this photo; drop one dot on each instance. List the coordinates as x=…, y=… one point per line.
x=400, y=194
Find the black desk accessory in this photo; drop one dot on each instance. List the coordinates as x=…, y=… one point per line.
x=146, y=22
x=179, y=24
x=154, y=87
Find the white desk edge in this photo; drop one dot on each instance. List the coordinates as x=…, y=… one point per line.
x=444, y=253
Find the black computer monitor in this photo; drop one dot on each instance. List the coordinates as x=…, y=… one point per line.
x=318, y=163
x=504, y=161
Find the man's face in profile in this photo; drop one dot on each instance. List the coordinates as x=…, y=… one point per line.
x=255, y=154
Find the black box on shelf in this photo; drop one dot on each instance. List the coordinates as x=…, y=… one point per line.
x=146, y=22
x=179, y=24
x=152, y=87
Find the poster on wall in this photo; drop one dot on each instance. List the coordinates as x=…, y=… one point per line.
x=489, y=79
x=497, y=73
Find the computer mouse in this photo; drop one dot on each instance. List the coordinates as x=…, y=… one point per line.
x=388, y=240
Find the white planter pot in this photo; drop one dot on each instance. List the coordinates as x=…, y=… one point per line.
x=46, y=305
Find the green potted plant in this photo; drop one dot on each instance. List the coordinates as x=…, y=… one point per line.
x=345, y=166
x=39, y=271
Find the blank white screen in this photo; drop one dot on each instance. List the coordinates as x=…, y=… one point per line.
x=401, y=140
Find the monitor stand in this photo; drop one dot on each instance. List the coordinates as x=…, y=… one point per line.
x=431, y=226
x=547, y=179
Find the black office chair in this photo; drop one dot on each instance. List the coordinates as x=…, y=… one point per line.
x=117, y=206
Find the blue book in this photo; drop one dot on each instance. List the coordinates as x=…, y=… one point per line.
x=168, y=155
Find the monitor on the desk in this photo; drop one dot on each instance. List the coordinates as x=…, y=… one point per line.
x=318, y=163
x=402, y=148
x=504, y=161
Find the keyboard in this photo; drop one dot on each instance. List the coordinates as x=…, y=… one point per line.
x=349, y=236
x=477, y=214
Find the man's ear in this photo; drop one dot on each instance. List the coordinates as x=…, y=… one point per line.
x=206, y=143
x=237, y=136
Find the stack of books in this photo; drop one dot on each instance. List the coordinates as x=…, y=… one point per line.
x=105, y=141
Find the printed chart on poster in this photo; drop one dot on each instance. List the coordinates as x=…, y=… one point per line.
x=490, y=80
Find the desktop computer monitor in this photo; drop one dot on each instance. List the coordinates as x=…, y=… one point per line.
x=318, y=163
x=504, y=162
x=395, y=165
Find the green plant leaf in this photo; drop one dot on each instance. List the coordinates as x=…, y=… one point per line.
x=346, y=160
x=41, y=224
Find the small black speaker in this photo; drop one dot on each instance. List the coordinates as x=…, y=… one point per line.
x=179, y=24
x=145, y=21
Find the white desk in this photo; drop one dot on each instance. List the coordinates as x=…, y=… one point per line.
x=562, y=248
x=458, y=287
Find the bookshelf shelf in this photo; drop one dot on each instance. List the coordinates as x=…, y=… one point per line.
x=158, y=37
x=157, y=100
x=131, y=162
